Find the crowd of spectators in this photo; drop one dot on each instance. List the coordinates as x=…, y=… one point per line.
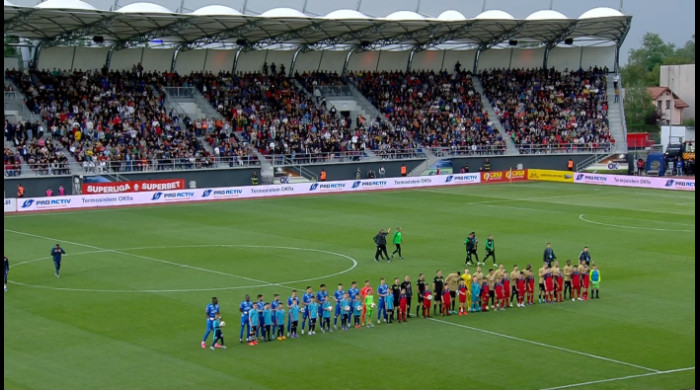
x=544, y=110
x=117, y=120
x=276, y=117
x=440, y=110
x=112, y=120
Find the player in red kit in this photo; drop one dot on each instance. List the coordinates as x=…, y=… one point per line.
x=403, y=305
x=462, y=292
x=446, y=301
x=585, y=280
x=485, y=296
x=560, y=286
x=506, y=291
x=548, y=285
x=500, y=301
x=520, y=286
x=426, y=302
x=529, y=285
x=576, y=284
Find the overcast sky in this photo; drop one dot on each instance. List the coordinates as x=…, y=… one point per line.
x=672, y=20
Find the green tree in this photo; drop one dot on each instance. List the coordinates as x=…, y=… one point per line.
x=640, y=112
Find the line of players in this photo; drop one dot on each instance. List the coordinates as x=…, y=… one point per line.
x=500, y=288
x=355, y=307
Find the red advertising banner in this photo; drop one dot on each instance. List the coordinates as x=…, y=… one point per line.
x=133, y=186
x=504, y=176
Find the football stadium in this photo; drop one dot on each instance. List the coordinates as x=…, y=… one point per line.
x=204, y=196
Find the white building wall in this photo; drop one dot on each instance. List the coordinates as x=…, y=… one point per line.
x=598, y=56
x=681, y=80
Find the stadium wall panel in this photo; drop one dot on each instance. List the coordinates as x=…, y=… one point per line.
x=11, y=63
x=527, y=58
x=465, y=57
x=90, y=58
x=598, y=56
x=333, y=61
x=252, y=61
x=190, y=61
x=363, y=61
x=219, y=60
x=561, y=58
x=428, y=60
x=157, y=60
x=125, y=59
x=309, y=61
x=494, y=59
x=393, y=61
x=56, y=58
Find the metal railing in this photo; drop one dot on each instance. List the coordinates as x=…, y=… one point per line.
x=315, y=158
x=489, y=150
x=171, y=164
x=335, y=90
x=564, y=149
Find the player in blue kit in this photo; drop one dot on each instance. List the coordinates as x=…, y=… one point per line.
x=260, y=307
x=305, y=301
x=322, y=295
x=274, y=305
x=346, y=311
x=267, y=322
x=291, y=301
x=389, y=307
x=382, y=290
x=338, y=297
x=312, y=310
x=353, y=292
x=210, y=311
x=294, y=313
x=357, y=310
x=254, y=319
x=279, y=323
x=326, y=310
x=245, y=308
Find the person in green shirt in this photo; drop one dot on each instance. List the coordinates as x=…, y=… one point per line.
x=490, y=249
x=398, y=239
x=369, y=306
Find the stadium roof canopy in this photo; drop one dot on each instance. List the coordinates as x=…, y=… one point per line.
x=58, y=22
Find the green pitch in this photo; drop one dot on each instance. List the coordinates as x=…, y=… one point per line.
x=128, y=310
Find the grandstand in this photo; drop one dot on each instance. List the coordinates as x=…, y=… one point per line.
x=142, y=89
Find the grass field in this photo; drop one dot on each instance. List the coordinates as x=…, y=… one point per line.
x=128, y=310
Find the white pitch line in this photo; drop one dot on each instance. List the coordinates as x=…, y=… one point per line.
x=631, y=227
x=621, y=378
x=547, y=345
x=261, y=282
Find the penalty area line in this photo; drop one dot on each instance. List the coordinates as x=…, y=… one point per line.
x=621, y=378
x=546, y=345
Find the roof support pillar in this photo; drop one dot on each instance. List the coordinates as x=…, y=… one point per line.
x=347, y=61
x=476, y=58
x=294, y=60
x=410, y=59
x=173, y=62
x=235, y=59
x=108, y=61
